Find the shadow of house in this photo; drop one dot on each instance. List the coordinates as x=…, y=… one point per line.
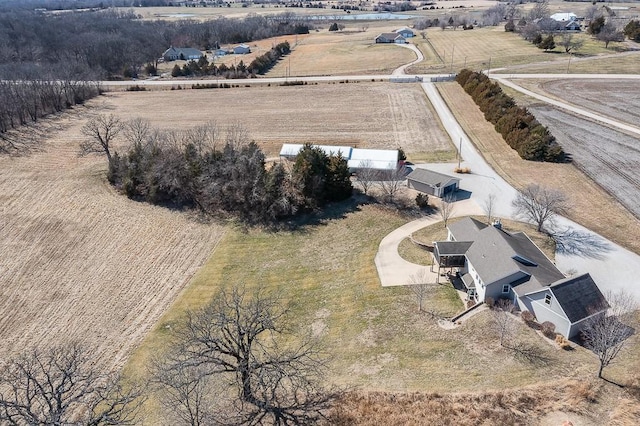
x=500, y=265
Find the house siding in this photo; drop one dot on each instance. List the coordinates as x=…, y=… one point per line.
x=419, y=186
x=552, y=313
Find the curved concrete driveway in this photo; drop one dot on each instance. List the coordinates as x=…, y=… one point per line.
x=401, y=70
x=581, y=250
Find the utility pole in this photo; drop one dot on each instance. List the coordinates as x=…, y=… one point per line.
x=460, y=153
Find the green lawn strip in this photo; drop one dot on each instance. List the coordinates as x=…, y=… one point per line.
x=373, y=337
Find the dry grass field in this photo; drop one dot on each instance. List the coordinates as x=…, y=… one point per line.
x=366, y=115
x=81, y=262
x=621, y=226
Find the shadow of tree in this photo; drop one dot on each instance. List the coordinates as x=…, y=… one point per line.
x=574, y=242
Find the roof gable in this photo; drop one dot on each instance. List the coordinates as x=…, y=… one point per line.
x=579, y=297
x=431, y=178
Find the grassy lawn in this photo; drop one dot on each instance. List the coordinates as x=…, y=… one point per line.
x=376, y=338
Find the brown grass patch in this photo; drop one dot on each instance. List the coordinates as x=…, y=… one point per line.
x=587, y=199
x=506, y=407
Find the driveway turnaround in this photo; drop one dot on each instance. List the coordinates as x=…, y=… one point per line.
x=579, y=250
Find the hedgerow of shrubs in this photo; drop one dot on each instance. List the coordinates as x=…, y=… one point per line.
x=518, y=127
x=187, y=170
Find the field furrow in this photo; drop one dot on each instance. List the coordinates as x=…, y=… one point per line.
x=81, y=262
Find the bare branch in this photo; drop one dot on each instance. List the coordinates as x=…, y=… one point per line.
x=100, y=132
x=539, y=205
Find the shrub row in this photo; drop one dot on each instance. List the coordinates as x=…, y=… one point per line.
x=517, y=125
x=264, y=63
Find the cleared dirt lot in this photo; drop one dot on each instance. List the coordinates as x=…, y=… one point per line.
x=610, y=158
x=81, y=262
x=366, y=115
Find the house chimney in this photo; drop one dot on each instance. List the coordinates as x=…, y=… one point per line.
x=497, y=224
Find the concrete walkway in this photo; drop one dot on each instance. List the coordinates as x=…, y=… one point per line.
x=580, y=250
x=393, y=270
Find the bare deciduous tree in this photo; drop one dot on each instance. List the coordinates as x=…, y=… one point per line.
x=61, y=386
x=100, y=132
x=137, y=131
x=367, y=175
x=606, y=335
x=503, y=322
x=235, y=339
x=447, y=207
x=539, y=204
x=488, y=206
x=570, y=43
x=420, y=287
x=390, y=184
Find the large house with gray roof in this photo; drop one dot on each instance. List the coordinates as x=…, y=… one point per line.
x=181, y=53
x=501, y=265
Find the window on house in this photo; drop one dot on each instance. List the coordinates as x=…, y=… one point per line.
x=547, y=299
x=505, y=288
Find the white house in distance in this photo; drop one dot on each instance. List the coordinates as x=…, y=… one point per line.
x=405, y=32
x=391, y=38
x=494, y=263
x=181, y=53
x=242, y=49
x=385, y=160
x=564, y=17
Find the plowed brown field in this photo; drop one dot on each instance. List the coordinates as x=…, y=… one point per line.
x=366, y=115
x=81, y=262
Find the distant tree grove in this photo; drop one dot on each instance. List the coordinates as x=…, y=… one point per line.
x=518, y=127
x=112, y=43
x=226, y=176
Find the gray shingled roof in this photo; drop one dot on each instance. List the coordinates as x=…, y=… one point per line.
x=431, y=178
x=453, y=248
x=497, y=254
x=466, y=229
x=579, y=297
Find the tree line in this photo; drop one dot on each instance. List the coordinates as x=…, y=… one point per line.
x=259, y=65
x=27, y=101
x=219, y=171
x=112, y=43
x=518, y=127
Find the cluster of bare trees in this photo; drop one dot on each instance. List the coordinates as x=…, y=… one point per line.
x=27, y=101
x=234, y=362
x=113, y=43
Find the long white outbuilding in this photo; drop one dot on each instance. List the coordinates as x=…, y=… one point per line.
x=357, y=158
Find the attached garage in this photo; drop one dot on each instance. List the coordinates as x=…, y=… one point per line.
x=432, y=183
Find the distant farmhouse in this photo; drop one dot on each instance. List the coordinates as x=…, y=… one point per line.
x=242, y=49
x=493, y=263
x=566, y=21
x=181, y=53
x=405, y=32
x=383, y=160
x=391, y=38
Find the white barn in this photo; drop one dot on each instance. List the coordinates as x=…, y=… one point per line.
x=357, y=158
